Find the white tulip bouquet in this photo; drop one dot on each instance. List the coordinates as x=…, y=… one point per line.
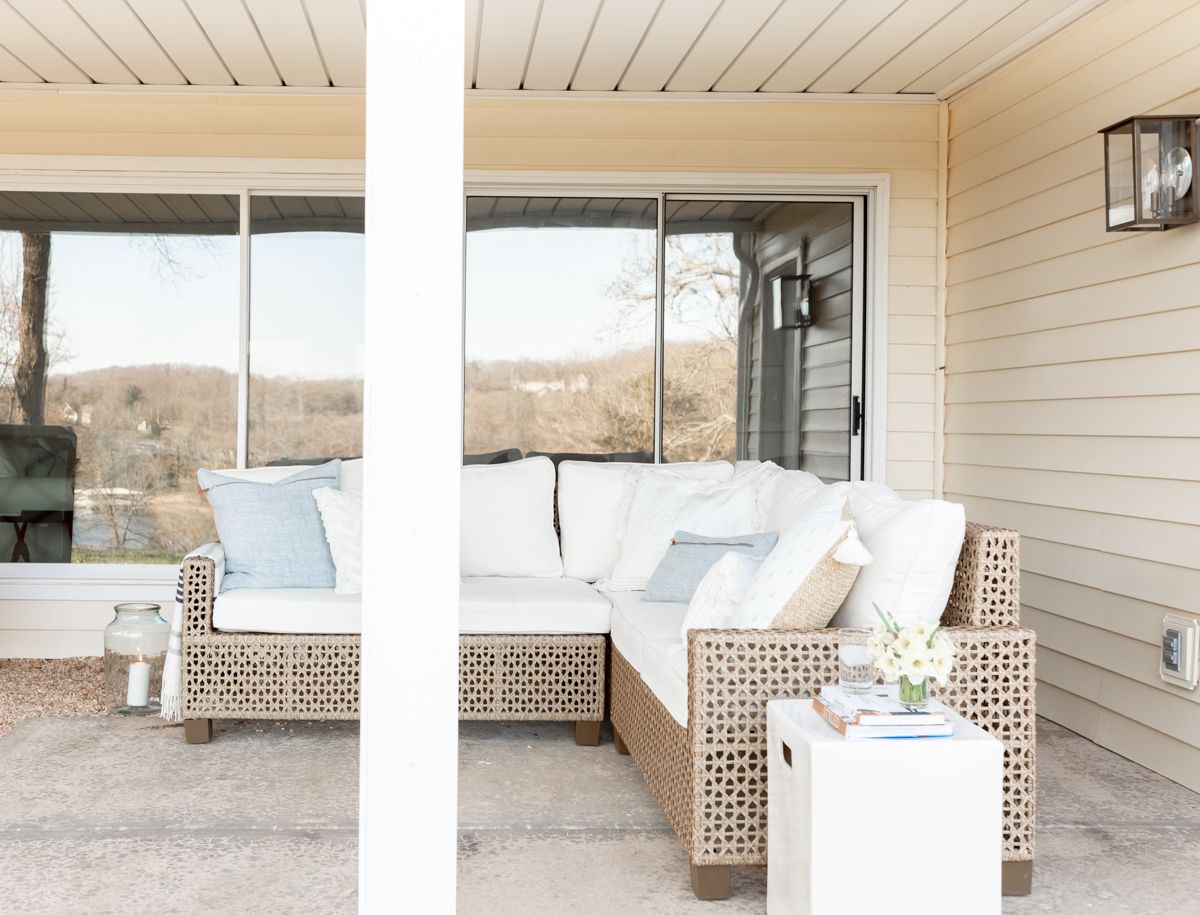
x=913, y=655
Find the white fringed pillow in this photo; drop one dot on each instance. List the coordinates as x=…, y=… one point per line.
x=806, y=577
x=342, y=515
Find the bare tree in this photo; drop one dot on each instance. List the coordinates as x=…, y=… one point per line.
x=29, y=371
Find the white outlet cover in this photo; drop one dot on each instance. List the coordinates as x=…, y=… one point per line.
x=1188, y=628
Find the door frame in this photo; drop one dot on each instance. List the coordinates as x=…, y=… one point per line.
x=874, y=188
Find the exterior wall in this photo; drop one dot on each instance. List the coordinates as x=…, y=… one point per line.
x=1073, y=372
x=42, y=122
x=771, y=136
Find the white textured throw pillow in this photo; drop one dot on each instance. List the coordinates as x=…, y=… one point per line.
x=342, y=515
x=715, y=603
x=664, y=503
x=915, y=546
x=593, y=506
x=790, y=589
x=508, y=520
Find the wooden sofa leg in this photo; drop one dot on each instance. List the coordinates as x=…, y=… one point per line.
x=619, y=744
x=587, y=733
x=711, y=881
x=197, y=730
x=1016, y=878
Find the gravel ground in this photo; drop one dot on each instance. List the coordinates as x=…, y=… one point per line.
x=59, y=688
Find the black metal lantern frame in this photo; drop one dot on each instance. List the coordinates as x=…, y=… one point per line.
x=793, y=301
x=1150, y=173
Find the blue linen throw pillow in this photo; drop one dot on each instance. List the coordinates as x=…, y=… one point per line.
x=272, y=532
x=690, y=556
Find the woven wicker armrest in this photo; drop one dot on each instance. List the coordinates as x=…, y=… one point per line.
x=986, y=588
x=732, y=674
x=198, y=582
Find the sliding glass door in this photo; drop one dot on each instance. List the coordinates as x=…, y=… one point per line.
x=676, y=328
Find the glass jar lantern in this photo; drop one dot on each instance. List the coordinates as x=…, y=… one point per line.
x=135, y=649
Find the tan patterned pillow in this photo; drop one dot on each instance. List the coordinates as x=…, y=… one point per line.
x=813, y=604
x=804, y=580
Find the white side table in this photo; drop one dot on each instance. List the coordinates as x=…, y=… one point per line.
x=892, y=826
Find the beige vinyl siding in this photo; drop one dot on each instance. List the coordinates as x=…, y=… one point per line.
x=184, y=124
x=513, y=134
x=1073, y=372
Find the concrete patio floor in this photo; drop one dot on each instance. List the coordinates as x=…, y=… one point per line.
x=97, y=811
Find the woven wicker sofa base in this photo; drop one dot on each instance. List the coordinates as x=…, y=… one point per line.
x=532, y=677
x=711, y=780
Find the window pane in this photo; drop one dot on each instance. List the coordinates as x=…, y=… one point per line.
x=735, y=385
x=306, y=328
x=560, y=302
x=100, y=442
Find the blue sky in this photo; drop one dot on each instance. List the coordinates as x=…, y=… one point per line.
x=119, y=305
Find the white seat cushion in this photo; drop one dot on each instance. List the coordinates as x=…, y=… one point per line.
x=288, y=610
x=647, y=635
x=551, y=606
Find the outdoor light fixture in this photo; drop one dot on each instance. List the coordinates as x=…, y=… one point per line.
x=1149, y=173
x=793, y=304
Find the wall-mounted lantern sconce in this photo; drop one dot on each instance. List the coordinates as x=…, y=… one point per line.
x=1150, y=173
x=793, y=301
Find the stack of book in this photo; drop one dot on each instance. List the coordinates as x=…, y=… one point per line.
x=880, y=715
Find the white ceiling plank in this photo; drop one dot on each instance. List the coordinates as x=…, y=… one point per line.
x=908, y=22
x=472, y=39
x=175, y=28
x=733, y=26
x=235, y=36
x=505, y=34
x=848, y=25
x=1025, y=18
x=75, y=39
x=960, y=27
x=121, y=29
x=13, y=71
x=667, y=41
x=619, y=29
x=342, y=39
x=561, y=33
x=790, y=26
x=34, y=50
x=284, y=29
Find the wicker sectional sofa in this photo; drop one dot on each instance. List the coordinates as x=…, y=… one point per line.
x=692, y=716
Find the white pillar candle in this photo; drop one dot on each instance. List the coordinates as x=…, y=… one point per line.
x=138, y=693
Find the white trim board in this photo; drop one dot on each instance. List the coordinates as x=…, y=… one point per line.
x=875, y=186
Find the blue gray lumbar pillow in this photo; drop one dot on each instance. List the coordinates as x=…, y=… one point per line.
x=272, y=531
x=689, y=558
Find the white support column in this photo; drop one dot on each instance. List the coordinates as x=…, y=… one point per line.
x=407, y=801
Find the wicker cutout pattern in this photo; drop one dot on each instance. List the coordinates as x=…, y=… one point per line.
x=987, y=582
x=282, y=677
x=531, y=677
x=711, y=777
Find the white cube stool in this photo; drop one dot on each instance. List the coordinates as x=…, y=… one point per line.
x=871, y=825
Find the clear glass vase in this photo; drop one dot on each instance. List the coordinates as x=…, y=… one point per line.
x=914, y=695
x=135, y=649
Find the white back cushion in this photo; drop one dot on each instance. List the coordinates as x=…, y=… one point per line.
x=915, y=546
x=352, y=476
x=508, y=520
x=664, y=503
x=593, y=505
